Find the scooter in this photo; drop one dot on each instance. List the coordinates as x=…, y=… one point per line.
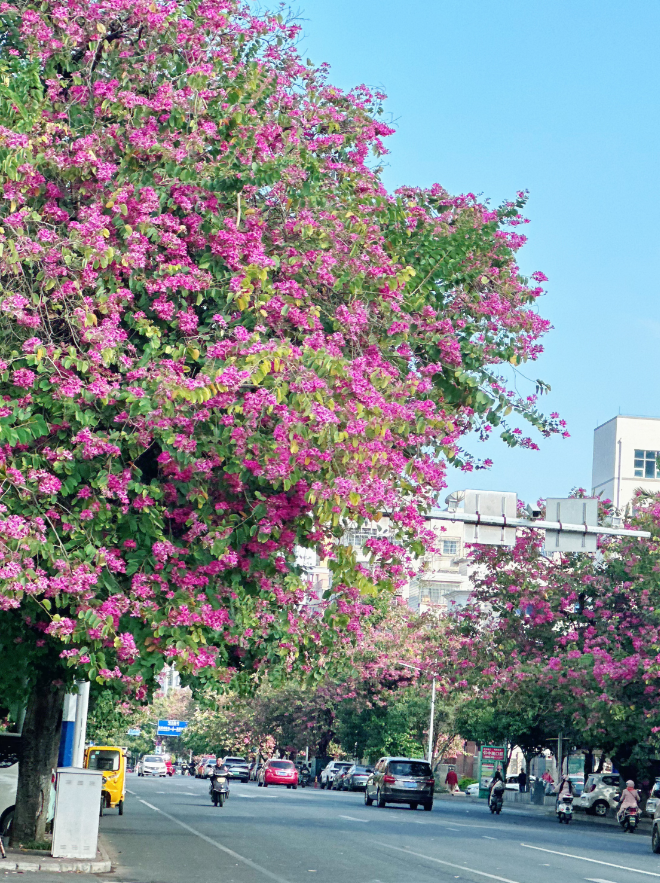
x=496, y=800
x=564, y=809
x=218, y=790
x=629, y=818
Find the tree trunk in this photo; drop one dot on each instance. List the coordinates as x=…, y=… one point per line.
x=588, y=763
x=40, y=744
x=601, y=762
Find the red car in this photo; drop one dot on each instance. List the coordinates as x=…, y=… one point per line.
x=278, y=772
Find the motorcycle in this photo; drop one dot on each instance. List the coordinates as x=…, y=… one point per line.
x=304, y=776
x=629, y=818
x=496, y=799
x=218, y=790
x=564, y=809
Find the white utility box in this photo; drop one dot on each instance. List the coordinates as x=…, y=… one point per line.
x=77, y=806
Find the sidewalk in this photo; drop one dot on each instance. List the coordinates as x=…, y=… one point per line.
x=39, y=860
x=532, y=809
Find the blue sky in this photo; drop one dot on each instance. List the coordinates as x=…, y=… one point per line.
x=561, y=99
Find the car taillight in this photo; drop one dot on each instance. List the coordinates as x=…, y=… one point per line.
x=430, y=781
x=389, y=780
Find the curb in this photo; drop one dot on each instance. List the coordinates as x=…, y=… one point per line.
x=30, y=861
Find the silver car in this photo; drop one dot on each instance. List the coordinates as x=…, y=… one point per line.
x=237, y=768
x=401, y=780
x=151, y=765
x=356, y=778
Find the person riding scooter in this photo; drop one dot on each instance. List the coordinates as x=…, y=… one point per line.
x=495, y=792
x=629, y=800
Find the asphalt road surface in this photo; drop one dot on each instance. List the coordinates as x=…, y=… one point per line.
x=170, y=833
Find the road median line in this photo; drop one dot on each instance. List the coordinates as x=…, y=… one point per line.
x=211, y=842
x=439, y=861
x=594, y=861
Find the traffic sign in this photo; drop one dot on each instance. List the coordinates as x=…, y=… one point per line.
x=171, y=728
x=134, y=731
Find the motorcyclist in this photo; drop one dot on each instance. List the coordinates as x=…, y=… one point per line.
x=496, y=786
x=630, y=798
x=565, y=790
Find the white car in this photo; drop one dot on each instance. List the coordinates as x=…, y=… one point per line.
x=472, y=790
x=600, y=794
x=151, y=765
x=9, y=754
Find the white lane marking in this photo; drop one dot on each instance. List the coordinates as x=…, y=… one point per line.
x=486, y=837
x=353, y=819
x=250, y=796
x=439, y=861
x=236, y=855
x=596, y=880
x=594, y=861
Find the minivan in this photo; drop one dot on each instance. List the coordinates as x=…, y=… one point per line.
x=401, y=780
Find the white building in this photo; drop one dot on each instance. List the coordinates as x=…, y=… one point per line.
x=625, y=458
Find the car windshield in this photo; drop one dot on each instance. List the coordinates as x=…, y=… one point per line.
x=281, y=764
x=409, y=768
x=362, y=769
x=235, y=760
x=153, y=759
x=343, y=766
x=104, y=760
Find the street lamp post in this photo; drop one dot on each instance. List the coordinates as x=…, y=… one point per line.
x=432, y=717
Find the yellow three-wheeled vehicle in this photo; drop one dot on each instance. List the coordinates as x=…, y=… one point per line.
x=111, y=761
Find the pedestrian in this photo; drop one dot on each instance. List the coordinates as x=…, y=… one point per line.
x=452, y=781
x=522, y=780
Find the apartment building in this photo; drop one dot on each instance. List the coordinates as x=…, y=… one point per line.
x=625, y=458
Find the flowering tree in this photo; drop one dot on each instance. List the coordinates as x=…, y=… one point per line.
x=572, y=644
x=220, y=337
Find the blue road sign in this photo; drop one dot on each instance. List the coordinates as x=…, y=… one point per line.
x=171, y=728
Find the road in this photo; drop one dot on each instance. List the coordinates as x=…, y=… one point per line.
x=170, y=833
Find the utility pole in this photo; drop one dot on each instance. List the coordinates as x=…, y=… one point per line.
x=80, y=731
x=431, y=723
x=432, y=716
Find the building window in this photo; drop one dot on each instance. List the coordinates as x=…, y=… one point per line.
x=436, y=592
x=450, y=547
x=359, y=536
x=645, y=464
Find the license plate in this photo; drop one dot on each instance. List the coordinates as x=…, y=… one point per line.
x=410, y=784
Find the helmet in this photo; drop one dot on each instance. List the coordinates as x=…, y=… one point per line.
x=630, y=784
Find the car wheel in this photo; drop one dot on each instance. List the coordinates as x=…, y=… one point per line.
x=414, y=805
x=265, y=784
x=600, y=808
x=244, y=781
x=294, y=787
x=655, y=839
x=367, y=800
x=120, y=807
x=380, y=800
x=428, y=807
x=288, y=787
x=6, y=820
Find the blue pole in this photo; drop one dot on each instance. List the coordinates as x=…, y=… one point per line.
x=65, y=757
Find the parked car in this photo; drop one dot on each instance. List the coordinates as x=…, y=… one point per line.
x=205, y=768
x=654, y=800
x=655, y=829
x=254, y=771
x=10, y=752
x=151, y=765
x=237, y=768
x=356, y=777
x=400, y=780
x=600, y=793
x=338, y=781
x=472, y=790
x=278, y=772
x=329, y=773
